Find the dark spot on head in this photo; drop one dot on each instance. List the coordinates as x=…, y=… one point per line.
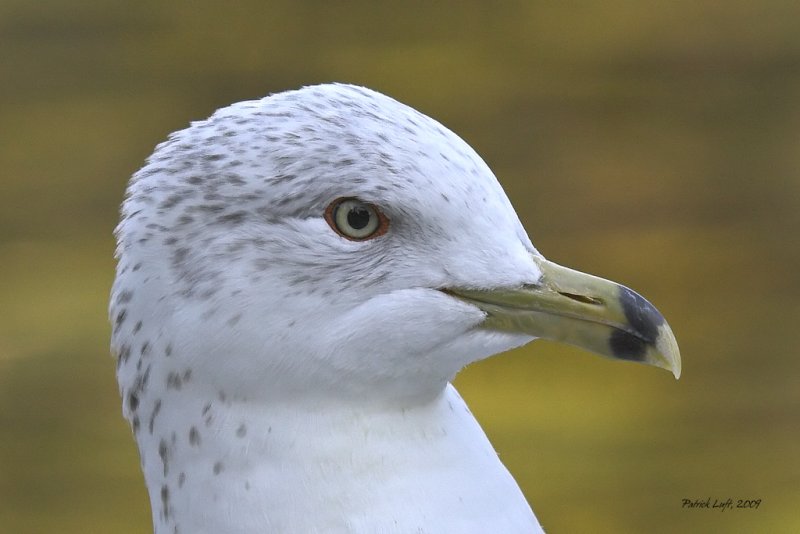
x=218, y=467
x=141, y=380
x=194, y=436
x=125, y=353
x=145, y=348
x=133, y=401
x=233, y=248
x=208, y=293
x=241, y=431
x=137, y=327
x=123, y=313
x=232, y=218
x=181, y=479
x=282, y=178
x=288, y=199
x=174, y=380
x=346, y=162
x=132, y=215
x=168, y=350
x=171, y=201
x=153, y=414
x=179, y=256
x=165, y=501
x=211, y=208
x=163, y=453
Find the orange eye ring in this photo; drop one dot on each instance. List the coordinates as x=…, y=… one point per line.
x=355, y=219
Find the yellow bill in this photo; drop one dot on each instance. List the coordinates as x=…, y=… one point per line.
x=582, y=310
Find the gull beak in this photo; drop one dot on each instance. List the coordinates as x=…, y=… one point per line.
x=582, y=310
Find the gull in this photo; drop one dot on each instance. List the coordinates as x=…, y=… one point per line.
x=299, y=279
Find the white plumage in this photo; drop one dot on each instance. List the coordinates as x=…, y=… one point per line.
x=280, y=377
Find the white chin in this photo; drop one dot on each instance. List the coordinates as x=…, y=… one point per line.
x=478, y=344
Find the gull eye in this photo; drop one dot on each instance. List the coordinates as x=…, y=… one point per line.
x=356, y=220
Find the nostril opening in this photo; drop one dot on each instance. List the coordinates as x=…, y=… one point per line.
x=593, y=301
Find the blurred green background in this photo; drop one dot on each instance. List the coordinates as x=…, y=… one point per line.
x=655, y=144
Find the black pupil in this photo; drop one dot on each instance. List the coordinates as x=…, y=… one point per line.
x=358, y=218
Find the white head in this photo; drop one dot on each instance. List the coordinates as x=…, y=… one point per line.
x=230, y=274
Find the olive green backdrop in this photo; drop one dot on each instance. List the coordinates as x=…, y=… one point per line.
x=655, y=144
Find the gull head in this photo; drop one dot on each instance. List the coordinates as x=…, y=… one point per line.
x=299, y=278
x=333, y=242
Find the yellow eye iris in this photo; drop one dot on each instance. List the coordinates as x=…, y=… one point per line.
x=356, y=220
